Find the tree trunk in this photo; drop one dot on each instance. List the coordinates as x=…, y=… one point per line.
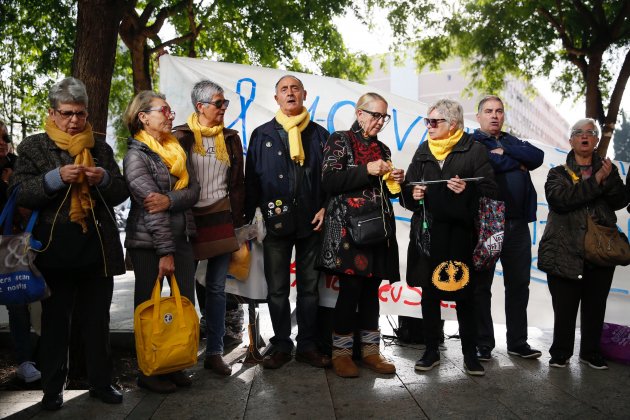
x=136, y=42
x=95, y=54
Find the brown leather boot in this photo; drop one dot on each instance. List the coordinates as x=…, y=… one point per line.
x=342, y=356
x=370, y=353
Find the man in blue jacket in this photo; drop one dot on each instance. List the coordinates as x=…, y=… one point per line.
x=512, y=160
x=283, y=172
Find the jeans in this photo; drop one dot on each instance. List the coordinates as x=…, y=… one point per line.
x=215, y=302
x=516, y=259
x=20, y=326
x=277, y=258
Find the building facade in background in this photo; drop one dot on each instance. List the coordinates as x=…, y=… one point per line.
x=527, y=116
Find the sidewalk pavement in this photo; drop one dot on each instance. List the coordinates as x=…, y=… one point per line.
x=513, y=388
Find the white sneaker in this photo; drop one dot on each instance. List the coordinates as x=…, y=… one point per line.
x=28, y=373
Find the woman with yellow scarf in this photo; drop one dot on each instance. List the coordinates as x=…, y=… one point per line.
x=442, y=234
x=217, y=156
x=163, y=190
x=74, y=182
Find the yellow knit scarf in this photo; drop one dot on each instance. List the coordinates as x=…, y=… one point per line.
x=78, y=146
x=202, y=131
x=442, y=148
x=392, y=186
x=171, y=153
x=294, y=126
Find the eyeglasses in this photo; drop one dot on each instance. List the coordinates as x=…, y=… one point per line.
x=378, y=116
x=579, y=132
x=433, y=122
x=163, y=109
x=219, y=103
x=66, y=115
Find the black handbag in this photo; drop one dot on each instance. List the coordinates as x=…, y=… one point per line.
x=280, y=217
x=370, y=228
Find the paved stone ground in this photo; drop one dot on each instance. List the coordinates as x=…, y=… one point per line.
x=513, y=388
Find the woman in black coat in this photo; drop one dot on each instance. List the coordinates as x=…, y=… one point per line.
x=586, y=185
x=442, y=227
x=354, y=163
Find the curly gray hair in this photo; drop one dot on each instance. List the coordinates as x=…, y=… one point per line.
x=451, y=111
x=68, y=90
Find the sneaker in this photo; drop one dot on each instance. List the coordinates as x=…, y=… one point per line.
x=557, y=362
x=429, y=360
x=596, y=362
x=28, y=373
x=472, y=366
x=526, y=352
x=484, y=353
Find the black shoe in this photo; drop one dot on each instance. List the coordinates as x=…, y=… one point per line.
x=526, y=352
x=557, y=362
x=484, y=353
x=52, y=402
x=277, y=360
x=596, y=362
x=472, y=365
x=429, y=360
x=107, y=394
x=179, y=378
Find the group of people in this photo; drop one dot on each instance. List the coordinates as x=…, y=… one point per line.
x=326, y=197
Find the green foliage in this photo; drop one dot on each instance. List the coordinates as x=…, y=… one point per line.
x=621, y=140
x=35, y=50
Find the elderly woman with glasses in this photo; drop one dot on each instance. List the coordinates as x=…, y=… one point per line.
x=356, y=165
x=439, y=257
x=217, y=156
x=74, y=181
x=163, y=189
x=586, y=186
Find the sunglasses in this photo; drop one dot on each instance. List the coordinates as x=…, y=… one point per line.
x=433, y=122
x=220, y=103
x=66, y=115
x=578, y=132
x=378, y=116
x=163, y=109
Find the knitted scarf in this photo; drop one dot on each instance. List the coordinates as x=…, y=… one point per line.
x=171, y=153
x=294, y=126
x=392, y=186
x=78, y=146
x=202, y=131
x=442, y=148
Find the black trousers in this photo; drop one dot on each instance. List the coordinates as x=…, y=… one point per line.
x=516, y=260
x=567, y=295
x=431, y=313
x=356, y=292
x=89, y=296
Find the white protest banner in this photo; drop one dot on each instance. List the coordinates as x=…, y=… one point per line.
x=331, y=103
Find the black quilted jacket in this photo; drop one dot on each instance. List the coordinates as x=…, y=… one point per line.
x=561, y=249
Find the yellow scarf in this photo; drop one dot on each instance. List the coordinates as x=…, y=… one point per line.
x=78, y=146
x=203, y=131
x=392, y=186
x=171, y=153
x=294, y=126
x=441, y=148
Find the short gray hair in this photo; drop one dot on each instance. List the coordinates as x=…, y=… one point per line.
x=140, y=102
x=486, y=99
x=68, y=90
x=292, y=77
x=585, y=121
x=451, y=111
x=203, y=91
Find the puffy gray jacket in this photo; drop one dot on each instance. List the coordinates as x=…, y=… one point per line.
x=145, y=172
x=561, y=249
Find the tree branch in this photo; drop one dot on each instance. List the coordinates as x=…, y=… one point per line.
x=588, y=14
x=174, y=41
x=567, y=43
x=163, y=14
x=618, y=29
x=618, y=90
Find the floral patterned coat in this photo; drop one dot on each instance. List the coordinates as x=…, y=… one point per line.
x=352, y=190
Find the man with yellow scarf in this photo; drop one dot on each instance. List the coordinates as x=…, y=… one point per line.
x=283, y=173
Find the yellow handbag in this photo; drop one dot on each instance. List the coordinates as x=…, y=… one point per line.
x=167, y=332
x=239, y=262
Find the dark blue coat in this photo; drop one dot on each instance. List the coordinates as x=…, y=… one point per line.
x=269, y=174
x=515, y=184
